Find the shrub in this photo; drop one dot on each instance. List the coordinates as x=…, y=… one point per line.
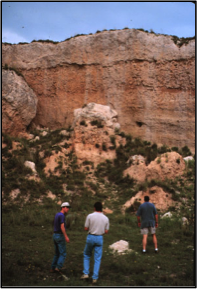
x=185, y=151
x=122, y=134
x=133, y=208
x=181, y=41
x=113, y=139
x=86, y=163
x=151, y=154
x=97, y=123
x=71, y=220
x=175, y=149
x=147, y=143
x=6, y=67
x=7, y=140
x=158, y=160
x=163, y=149
x=83, y=123
x=104, y=148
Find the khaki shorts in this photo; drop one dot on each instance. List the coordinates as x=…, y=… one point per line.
x=151, y=230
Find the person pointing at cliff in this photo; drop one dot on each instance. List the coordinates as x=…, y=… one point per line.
x=148, y=222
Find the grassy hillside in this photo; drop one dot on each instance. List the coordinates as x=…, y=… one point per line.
x=27, y=247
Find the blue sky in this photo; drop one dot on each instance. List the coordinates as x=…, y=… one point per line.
x=57, y=21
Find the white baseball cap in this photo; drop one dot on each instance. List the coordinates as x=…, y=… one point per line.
x=66, y=204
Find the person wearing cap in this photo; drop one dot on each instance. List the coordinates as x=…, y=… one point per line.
x=97, y=224
x=60, y=238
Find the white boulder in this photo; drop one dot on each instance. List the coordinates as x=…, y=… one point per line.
x=167, y=215
x=189, y=158
x=185, y=221
x=100, y=112
x=64, y=133
x=31, y=165
x=121, y=247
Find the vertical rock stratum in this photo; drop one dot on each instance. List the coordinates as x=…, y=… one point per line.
x=147, y=78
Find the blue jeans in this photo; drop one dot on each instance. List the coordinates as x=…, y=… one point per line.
x=60, y=251
x=96, y=243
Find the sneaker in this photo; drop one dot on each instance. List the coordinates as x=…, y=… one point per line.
x=84, y=276
x=156, y=250
x=52, y=271
x=94, y=281
x=143, y=251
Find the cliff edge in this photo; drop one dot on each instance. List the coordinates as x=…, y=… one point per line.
x=147, y=78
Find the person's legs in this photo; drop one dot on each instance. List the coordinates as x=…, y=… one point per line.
x=153, y=232
x=144, y=241
x=98, y=250
x=61, y=243
x=87, y=254
x=56, y=256
x=155, y=240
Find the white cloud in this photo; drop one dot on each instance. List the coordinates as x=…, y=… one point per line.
x=12, y=37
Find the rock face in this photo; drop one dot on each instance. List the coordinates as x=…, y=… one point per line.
x=170, y=165
x=146, y=78
x=99, y=113
x=161, y=199
x=94, y=133
x=19, y=103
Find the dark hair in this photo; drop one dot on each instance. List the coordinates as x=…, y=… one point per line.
x=98, y=206
x=146, y=198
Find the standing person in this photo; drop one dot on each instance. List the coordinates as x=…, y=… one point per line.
x=148, y=216
x=97, y=224
x=60, y=238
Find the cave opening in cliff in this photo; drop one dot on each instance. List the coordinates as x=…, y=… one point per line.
x=139, y=123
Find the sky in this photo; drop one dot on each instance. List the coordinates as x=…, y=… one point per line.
x=57, y=21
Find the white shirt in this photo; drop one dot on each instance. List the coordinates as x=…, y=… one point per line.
x=97, y=223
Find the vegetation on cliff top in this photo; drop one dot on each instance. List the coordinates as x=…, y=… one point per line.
x=178, y=41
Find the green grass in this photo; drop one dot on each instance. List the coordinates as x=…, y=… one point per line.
x=27, y=247
x=27, y=251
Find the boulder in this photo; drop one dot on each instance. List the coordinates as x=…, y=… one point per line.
x=168, y=165
x=31, y=165
x=189, y=158
x=107, y=211
x=185, y=221
x=121, y=247
x=167, y=215
x=161, y=199
x=94, y=111
x=14, y=193
x=19, y=103
x=136, y=159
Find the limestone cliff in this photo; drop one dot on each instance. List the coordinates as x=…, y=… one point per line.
x=19, y=103
x=148, y=79
x=93, y=136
